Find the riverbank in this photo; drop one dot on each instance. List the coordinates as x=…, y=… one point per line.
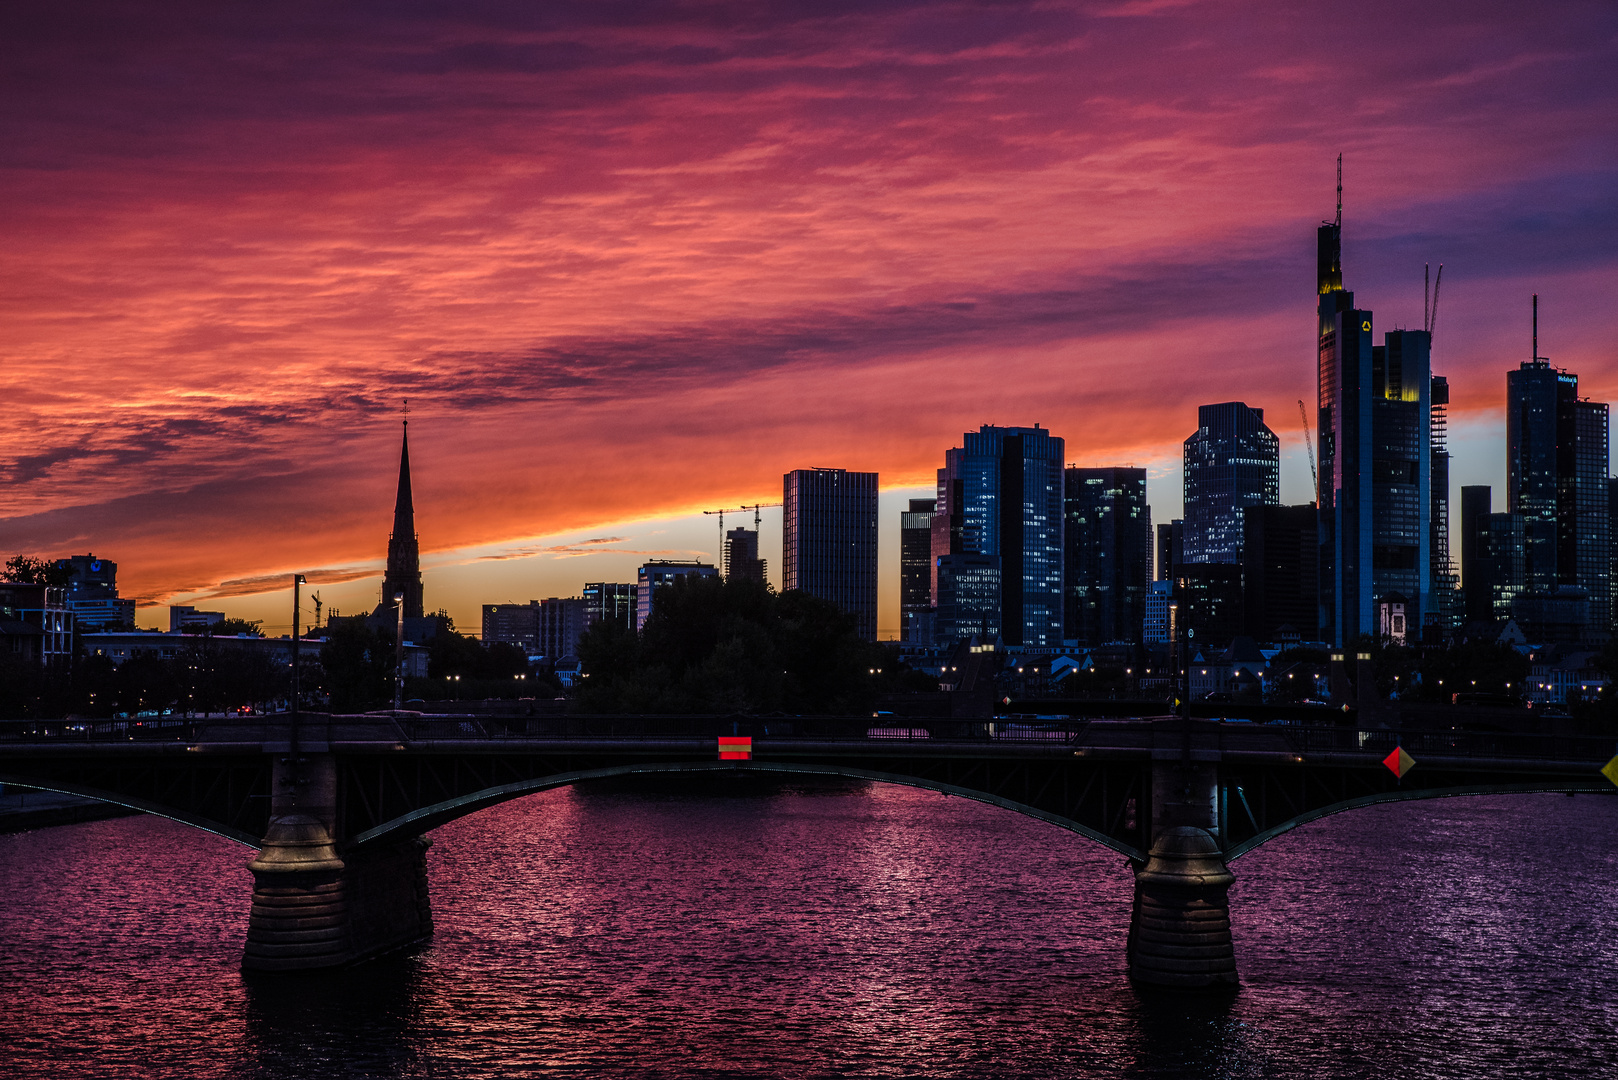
x=22, y=809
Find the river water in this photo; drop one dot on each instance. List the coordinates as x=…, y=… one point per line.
x=840, y=929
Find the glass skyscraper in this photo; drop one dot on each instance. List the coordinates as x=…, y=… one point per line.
x=915, y=563
x=1232, y=461
x=1000, y=495
x=829, y=545
x=1108, y=540
x=1374, y=412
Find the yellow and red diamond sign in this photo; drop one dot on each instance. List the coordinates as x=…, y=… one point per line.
x=735, y=748
x=1610, y=770
x=1399, y=762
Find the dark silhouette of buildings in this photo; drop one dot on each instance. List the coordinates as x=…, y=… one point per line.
x=1556, y=480
x=1280, y=571
x=1374, y=417
x=92, y=594
x=1000, y=495
x=657, y=573
x=612, y=601
x=915, y=563
x=1107, y=543
x=1170, y=548
x=403, y=576
x=829, y=542
x=1444, y=613
x=1476, y=506
x=1232, y=461
x=741, y=555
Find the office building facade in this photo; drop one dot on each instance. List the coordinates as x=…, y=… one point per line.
x=741, y=556
x=1281, y=571
x=1000, y=495
x=1476, y=506
x=1232, y=461
x=1447, y=608
x=92, y=594
x=1170, y=549
x=658, y=573
x=829, y=544
x=1375, y=466
x=612, y=601
x=1557, y=449
x=1107, y=541
x=915, y=564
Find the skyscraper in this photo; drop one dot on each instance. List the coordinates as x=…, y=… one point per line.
x=829, y=548
x=658, y=573
x=1556, y=480
x=915, y=562
x=1232, y=461
x=1446, y=609
x=1107, y=542
x=1000, y=495
x=741, y=555
x=1170, y=548
x=403, y=576
x=1476, y=506
x=1375, y=461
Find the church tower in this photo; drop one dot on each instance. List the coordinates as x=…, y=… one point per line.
x=404, y=557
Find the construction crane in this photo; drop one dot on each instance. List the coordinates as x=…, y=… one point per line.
x=1309, y=443
x=757, y=519
x=1430, y=309
x=315, y=596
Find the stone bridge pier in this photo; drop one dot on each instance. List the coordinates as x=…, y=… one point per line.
x=315, y=906
x=1179, y=929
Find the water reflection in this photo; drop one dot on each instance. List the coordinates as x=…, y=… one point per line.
x=362, y=1021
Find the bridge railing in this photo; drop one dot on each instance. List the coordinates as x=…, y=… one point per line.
x=1468, y=744
x=793, y=727
x=144, y=729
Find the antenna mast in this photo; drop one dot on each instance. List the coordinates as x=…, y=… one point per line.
x=1339, y=191
x=1536, y=327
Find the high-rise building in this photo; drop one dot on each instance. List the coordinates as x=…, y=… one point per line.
x=1107, y=542
x=1504, y=545
x=1375, y=462
x=1170, y=548
x=741, y=555
x=1232, y=461
x=1155, y=628
x=513, y=624
x=1209, y=599
x=1612, y=535
x=829, y=544
x=92, y=594
x=968, y=598
x=609, y=600
x=403, y=576
x=1000, y=495
x=1281, y=571
x=1556, y=478
x=1476, y=560
x=657, y=573
x=915, y=562
x=1444, y=614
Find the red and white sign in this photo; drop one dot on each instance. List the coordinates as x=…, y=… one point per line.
x=735, y=748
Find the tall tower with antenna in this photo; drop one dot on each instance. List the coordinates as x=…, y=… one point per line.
x=1374, y=422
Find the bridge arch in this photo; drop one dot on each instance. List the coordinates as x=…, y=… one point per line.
x=133, y=802
x=430, y=817
x=1570, y=787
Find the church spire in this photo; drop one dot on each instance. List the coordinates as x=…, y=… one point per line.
x=403, y=575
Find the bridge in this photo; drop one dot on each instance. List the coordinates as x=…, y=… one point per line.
x=338, y=806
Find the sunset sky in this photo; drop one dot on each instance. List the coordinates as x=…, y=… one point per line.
x=631, y=261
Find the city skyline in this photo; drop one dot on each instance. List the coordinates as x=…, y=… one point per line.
x=214, y=316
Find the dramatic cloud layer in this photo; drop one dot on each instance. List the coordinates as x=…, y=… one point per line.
x=630, y=260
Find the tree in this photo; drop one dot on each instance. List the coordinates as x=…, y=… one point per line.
x=715, y=645
x=28, y=570
x=357, y=663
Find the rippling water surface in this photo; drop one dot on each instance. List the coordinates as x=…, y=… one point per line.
x=756, y=929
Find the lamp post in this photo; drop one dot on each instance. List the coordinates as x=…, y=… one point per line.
x=297, y=581
x=398, y=655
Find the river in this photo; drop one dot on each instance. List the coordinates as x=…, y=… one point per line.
x=753, y=928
